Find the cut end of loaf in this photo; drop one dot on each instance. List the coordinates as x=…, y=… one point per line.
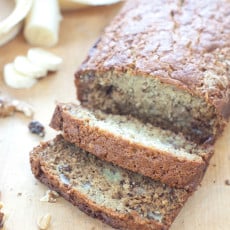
x=150, y=100
x=129, y=128
x=127, y=142
x=40, y=36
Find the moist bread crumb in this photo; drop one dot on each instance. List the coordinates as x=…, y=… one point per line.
x=120, y=198
x=127, y=142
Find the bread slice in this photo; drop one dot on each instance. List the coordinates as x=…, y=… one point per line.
x=168, y=67
x=127, y=142
x=120, y=198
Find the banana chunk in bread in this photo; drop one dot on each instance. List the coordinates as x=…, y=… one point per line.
x=131, y=144
x=165, y=62
x=120, y=198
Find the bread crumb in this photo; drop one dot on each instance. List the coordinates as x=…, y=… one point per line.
x=50, y=196
x=227, y=182
x=2, y=216
x=1, y=219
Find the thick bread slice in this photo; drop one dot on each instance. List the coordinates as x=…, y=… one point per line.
x=127, y=142
x=165, y=62
x=120, y=198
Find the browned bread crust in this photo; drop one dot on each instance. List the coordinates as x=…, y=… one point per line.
x=46, y=160
x=163, y=165
x=183, y=44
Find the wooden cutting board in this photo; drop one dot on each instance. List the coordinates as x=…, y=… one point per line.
x=207, y=209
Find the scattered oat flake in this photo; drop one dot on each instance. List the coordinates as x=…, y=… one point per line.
x=44, y=222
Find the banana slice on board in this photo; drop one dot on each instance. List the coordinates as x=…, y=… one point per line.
x=15, y=79
x=24, y=66
x=10, y=26
x=44, y=59
x=42, y=23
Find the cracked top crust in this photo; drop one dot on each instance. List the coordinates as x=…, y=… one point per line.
x=183, y=43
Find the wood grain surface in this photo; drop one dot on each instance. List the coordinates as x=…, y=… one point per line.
x=207, y=209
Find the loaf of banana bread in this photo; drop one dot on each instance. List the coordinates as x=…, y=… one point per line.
x=165, y=62
x=120, y=198
x=131, y=144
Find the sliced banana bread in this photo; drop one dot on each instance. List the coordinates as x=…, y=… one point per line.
x=120, y=198
x=165, y=62
x=127, y=142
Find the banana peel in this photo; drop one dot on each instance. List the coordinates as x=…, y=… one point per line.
x=10, y=26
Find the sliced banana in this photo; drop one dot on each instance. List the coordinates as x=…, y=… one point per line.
x=11, y=25
x=44, y=59
x=42, y=23
x=24, y=66
x=15, y=79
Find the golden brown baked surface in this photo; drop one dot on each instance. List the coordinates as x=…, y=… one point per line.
x=183, y=43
